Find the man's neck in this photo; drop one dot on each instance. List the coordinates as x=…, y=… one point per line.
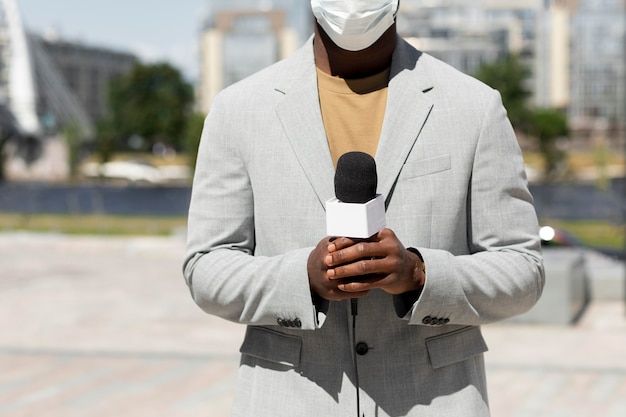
x=348, y=64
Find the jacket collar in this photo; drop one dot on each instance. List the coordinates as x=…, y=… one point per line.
x=408, y=107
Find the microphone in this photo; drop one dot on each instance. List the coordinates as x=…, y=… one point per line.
x=356, y=211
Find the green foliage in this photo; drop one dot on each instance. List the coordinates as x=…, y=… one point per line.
x=601, y=158
x=105, y=140
x=593, y=233
x=73, y=140
x=195, y=123
x=83, y=224
x=151, y=102
x=3, y=142
x=548, y=126
x=508, y=76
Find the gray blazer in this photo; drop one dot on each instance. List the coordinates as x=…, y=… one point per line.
x=452, y=173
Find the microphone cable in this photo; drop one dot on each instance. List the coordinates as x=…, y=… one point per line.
x=354, y=306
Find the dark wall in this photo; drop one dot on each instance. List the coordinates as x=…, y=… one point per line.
x=570, y=202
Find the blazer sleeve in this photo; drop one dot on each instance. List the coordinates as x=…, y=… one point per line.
x=502, y=276
x=224, y=277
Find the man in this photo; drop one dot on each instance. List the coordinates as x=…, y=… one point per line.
x=461, y=249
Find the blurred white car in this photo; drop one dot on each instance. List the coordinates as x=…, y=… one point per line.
x=136, y=171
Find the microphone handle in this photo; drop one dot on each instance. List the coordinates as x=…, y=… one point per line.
x=354, y=305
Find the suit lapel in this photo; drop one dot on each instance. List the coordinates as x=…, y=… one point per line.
x=301, y=118
x=407, y=111
x=408, y=108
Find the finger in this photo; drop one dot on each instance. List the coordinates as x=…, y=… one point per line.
x=361, y=286
x=360, y=268
x=355, y=292
x=359, y=250
x=338, y=294
x=339, y=243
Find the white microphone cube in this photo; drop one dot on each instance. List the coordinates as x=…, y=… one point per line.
x=354, y=219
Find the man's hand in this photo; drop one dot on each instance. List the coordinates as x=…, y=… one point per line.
x=320, y=282
x=350, y=268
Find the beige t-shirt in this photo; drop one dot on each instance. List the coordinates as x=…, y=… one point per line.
x=353, y=112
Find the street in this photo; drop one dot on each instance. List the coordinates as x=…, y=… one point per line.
x=95, y=326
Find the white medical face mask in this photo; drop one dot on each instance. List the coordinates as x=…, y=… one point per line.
x=355, y=25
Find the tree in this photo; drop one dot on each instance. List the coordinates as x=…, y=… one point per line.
x=73, y=141
x=106, y=142
x=509, y=76
x=548, y=126
x=3, y=142
x=9, y=132
x=195, y=123
x=151, y=102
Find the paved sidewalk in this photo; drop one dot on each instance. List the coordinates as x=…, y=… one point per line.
x=93, y=326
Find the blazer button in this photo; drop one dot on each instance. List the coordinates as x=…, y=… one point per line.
x=297, y=323
x=427, y=320
x=281, y=322
x=362, y=348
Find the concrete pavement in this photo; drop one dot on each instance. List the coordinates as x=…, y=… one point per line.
x=96, y=326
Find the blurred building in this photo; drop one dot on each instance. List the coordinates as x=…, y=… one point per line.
x=85, y=70
x=47, y=82
x=240, y=37
x=467, y=34
x=574, y=49
x=597, y=70
x=553, y=55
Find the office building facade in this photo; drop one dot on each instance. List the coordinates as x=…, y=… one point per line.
x=87, y=71
x=597, y=68
x=240, y=37
x=574, y=49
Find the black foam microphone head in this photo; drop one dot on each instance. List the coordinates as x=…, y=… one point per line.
x=356, y=179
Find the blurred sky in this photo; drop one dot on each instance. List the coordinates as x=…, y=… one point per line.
x=152, y=29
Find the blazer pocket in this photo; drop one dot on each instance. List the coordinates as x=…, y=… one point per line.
x=456, y=346
x=427, y=166
x=273, y=346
